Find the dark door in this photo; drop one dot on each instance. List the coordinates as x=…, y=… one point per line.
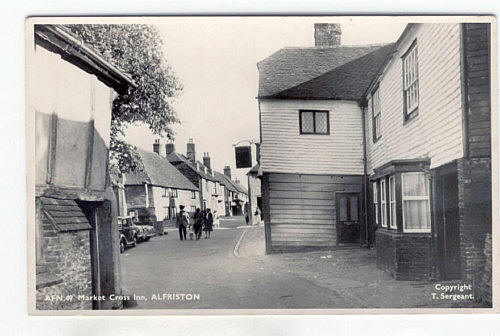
x=348, y=219
x=451, y=239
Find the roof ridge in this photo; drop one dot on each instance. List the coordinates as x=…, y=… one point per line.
x=341, y=46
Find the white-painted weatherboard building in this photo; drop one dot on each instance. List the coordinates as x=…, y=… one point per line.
x=394, y=137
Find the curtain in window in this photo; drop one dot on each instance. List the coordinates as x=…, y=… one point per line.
x=416, y=211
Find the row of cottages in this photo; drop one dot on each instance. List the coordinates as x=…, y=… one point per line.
x=381, y=143
x=156, y=193
x=70, y=93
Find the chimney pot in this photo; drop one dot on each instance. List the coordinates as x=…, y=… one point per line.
x=156, y=146
x=227, y=171
x=206, y=160
x=190, y=152
x=169, y=148
x=327, y=34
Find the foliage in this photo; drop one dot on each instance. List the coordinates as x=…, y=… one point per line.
x=137, y=50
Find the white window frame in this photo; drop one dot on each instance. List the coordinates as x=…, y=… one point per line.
x=173, y=193
x=193, y=194
x=166, y=212
x=376, y=205
x=410, y=81
x=376, y=115
x=392, y=203
x=416, y=198
x=383, y=203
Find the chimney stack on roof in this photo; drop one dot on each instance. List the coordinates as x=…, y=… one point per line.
x=156, y=146
x=190, y=152
x=327, y=34
x=169, y=148
x=206, y=160
x=227, y=171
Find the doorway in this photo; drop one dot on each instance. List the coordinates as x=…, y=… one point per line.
x=447, y=220
x=348, y=217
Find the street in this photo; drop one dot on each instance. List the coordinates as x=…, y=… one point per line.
x=209, y=267
x=230, y=272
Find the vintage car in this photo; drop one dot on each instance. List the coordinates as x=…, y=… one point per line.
x=149, y=231
x=129, y=232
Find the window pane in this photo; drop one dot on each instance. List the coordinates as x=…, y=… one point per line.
x=307, y=122
x=321, y=122
x=354, y=208
x=416, y=215
x=415, y=185
x=375, y=196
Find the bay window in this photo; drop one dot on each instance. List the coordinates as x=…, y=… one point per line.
x=392, y=203
x=415, y=198
x=383, y=202
x=375, y=203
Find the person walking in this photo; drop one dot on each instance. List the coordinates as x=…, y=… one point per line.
x=209, y=223
x=197, y=223
x=203, y=220
x=182, y=223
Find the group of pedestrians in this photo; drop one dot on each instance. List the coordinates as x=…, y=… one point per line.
x=201, y=221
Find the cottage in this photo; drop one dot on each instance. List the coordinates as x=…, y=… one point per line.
x=391, y=137
x=200, y=174
x=311, y=152
x=156, y=194
x=228, y=190
x=70, y=92
x=427, y=122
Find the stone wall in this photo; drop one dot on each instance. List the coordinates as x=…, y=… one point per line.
x=407, y=256
x=67, y=260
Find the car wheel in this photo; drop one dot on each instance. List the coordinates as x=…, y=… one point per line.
x=147, y=238
x=122, y=246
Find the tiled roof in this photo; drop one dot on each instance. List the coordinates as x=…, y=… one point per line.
x=176, y=157
x=158, y=171
x=64, y=214
x=223, y=179
x=341, y=72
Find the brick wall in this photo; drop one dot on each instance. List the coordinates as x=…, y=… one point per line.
x=135, y=196
x=474, y=202
x=66, y=257
x=407, y=256
x=477, y=88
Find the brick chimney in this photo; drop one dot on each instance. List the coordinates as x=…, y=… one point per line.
x=327, y=34
x=206, y=160
x=169, y=148
x=156, y=146
x=190, y=152
x=227, y=171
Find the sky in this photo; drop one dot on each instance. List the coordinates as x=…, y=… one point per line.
x=216, y=61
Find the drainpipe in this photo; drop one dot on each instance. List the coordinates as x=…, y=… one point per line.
x=363, y=104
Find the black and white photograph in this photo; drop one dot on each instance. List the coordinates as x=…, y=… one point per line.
x=260, y=164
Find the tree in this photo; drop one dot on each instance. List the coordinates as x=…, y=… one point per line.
x=137, y=50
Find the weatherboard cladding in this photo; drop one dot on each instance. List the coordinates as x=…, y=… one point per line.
x=436, y=133
x=159, y=172
x=341, y=72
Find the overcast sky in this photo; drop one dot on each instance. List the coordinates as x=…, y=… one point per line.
x=215, y=59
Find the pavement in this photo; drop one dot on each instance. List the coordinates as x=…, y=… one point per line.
x=231, y=271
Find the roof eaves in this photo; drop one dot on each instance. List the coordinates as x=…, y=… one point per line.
x=69, y=46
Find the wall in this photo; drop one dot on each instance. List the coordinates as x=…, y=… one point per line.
x=67, y=258
x=406, y=256
x=254, y=186
x=437, y=130
x=135, y=196
x=72, y=113
x=299, y=210
x=184, y=197
x=284, y=150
